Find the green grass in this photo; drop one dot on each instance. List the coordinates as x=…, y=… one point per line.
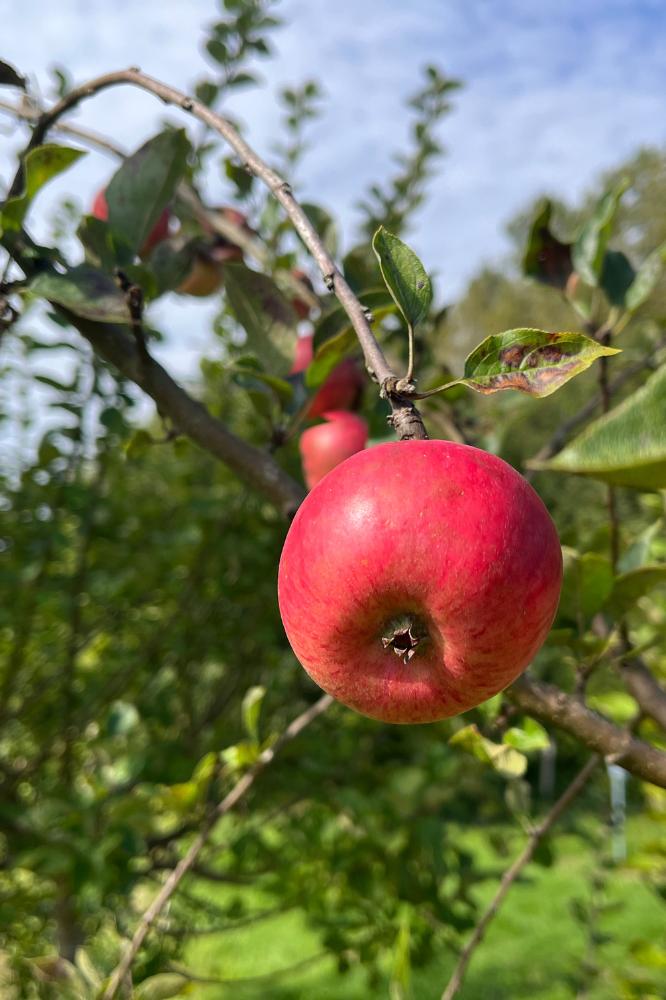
x=531, y=949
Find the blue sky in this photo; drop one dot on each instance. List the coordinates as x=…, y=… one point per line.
x=554, y=93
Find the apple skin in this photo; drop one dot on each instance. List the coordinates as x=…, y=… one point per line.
x=326, y=445
x=159, y=232
x=447, y=535
x=341, y=390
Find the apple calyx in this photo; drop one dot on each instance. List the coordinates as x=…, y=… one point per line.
x=403, y=636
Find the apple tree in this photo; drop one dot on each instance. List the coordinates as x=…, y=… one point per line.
x=157, y=732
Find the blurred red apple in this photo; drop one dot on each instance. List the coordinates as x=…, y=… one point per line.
x=341, y=390
x=324, y=446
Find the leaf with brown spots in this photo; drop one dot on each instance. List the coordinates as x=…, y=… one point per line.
x=531, y=361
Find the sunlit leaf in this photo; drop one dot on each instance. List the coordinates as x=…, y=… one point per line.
x=405, y=276
x=527, y=737
x=626, y=446
x=40, y=165
x=531, y=361
x=251, y=709
x=162, y=986
x=509, y=762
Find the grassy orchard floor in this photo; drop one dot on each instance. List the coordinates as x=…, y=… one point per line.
x=531, y=949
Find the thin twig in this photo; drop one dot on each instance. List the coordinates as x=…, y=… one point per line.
x=512, y=873
x=187, y=861
x=405, y=418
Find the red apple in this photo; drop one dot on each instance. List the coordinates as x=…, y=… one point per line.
x=341, y=390
x=159, y=232
x=324, y=446
x=418, y=579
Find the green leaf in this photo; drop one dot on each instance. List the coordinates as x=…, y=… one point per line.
x=361, y=268
x=647, y=277
x=638, y=553
x=617, y=276
x=40, y=165
x=84, y=291
x=240, y=177
x=144, y=185
x=87, y=969
x=329, y=356
x=103, y=247
x=324, y=224
x=266, y=316
x=627, y=446
x=546, y=259
x=504, y=759
x=590, y=247
x=282, y=389
x=405, y=276
x=10, y=77
x=531, y=361
x=618, y=706
x=251, y=709
x=161, y=986
x=138, y=444
x=528, y=737
x=587, y=585
x=335, y=338
x=628, y=587
x=241, y=755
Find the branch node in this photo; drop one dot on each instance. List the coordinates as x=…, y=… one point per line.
x=329, y=281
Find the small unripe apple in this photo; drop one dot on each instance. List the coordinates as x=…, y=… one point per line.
x=324, y=446
x=418, y=579
x=341, y=390
x=159, y=232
